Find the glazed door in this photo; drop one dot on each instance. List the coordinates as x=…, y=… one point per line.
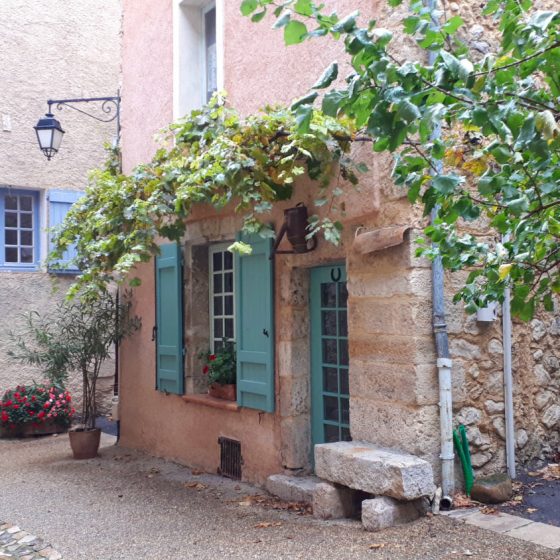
x=330, y=410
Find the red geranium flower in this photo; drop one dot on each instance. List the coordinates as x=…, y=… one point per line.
x=205, y=369
x=212, y=357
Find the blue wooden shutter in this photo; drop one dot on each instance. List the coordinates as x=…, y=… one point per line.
x=59, y=204
x=255, y=326
x=169, y=320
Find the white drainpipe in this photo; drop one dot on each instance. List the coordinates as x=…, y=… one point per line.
x=508, y=385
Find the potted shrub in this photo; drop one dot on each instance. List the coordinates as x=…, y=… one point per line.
x=31, y=410
x=83, y=333
x=221, y=368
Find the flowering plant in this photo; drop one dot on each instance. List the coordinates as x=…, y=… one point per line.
x=221, y=365
x=35, y=404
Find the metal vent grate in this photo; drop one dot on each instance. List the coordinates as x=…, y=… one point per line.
x=230, y=458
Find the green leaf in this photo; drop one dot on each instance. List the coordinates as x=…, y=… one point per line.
x=305, y=100
x=294, y=32
x=407, y=111
x=332, y=101
x=381, y=36
x=258, y=16
x=248, y=7
x=445, y=184
x=452, y=24
x=347, y=24
x=304, y=114
x=327, y=77
x=542, y=19
x=394, y=3
x=411, y=24
x=303, y=7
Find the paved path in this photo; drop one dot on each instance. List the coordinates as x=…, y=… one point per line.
x=127, y=506
x=18, y=544
x=515, y=526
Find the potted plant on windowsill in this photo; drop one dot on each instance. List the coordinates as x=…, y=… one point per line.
x=221, y=368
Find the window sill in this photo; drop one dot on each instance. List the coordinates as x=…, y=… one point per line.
x=207, y=400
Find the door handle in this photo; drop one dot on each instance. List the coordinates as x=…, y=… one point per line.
x=265, y=332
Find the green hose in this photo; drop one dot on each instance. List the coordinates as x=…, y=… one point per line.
x=462, y=447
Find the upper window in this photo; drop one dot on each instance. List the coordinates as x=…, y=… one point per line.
x=222, y=295
x=197, y=56
x=19, y=229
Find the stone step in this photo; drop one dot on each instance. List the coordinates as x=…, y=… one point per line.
x=292, y=488
x=367, y=467
x=384, y=512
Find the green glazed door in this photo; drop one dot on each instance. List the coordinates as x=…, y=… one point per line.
x=330, y=405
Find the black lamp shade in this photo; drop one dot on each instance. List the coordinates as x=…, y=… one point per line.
x=49, y=135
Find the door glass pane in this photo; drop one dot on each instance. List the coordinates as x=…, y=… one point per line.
x=342, y=323
x=342, y=295
x=329, y=322
x=328, y=295
x=345, y=411
x=344, y=381
x=229, y=328
x=331, y=433
x=218, y=328
x=330, y=408
x=345, y=434
x=330, y=380
x=343, y=356
x=329, y=351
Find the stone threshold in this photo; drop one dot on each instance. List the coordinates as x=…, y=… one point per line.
x=510, y=525
x=213, y=402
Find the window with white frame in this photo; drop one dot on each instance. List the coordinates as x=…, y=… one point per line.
x=197, y=53
x=222, y=295
x=19, y=229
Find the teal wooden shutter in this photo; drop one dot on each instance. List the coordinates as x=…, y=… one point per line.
x=59, y=204
x=169, y=320
x=255, y=325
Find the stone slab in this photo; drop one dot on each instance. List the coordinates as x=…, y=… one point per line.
x=538, y=533
x=331, y=501
x=497, y=522
x=383, y=512
x=292, y=488
x=382, y=472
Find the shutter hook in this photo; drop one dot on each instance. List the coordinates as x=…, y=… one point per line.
x=265, y=332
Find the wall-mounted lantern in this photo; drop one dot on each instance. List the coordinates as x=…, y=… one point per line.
x=48, y=129
x=295, y=228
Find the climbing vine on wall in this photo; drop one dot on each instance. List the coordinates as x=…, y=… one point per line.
x=213, y=157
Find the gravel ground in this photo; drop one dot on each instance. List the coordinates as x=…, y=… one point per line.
x=125, y=505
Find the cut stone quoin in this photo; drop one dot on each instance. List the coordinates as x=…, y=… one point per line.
x=382, y=472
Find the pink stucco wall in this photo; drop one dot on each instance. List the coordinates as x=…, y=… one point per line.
x=258, y=70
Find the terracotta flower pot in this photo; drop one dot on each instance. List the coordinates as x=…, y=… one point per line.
x=226, y=392
x=84, y=443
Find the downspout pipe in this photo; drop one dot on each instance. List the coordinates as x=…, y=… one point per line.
x=508, y=385
x=444, y=362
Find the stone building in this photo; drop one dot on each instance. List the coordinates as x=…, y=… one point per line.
x=343, y=334
x=47, y=51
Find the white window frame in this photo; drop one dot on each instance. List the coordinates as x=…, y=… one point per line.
x=219, y=248
x=189, y=57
